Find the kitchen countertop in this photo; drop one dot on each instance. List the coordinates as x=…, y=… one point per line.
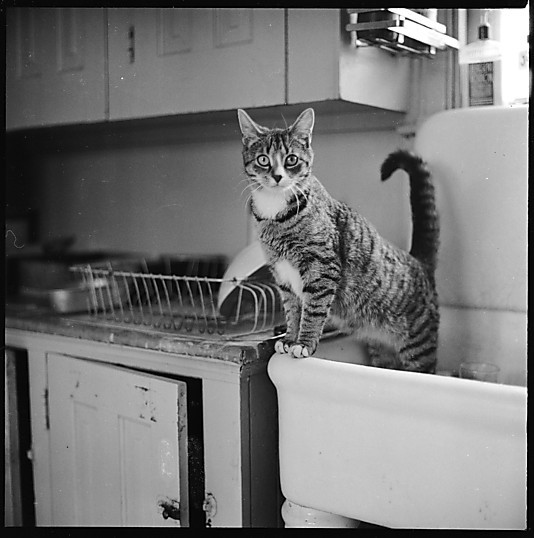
x=237, y=349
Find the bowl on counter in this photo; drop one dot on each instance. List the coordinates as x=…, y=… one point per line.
x=81, y=297
x=247, y=268
x=51, y=270
x=48, y=280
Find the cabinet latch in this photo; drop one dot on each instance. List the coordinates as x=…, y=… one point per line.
x=210, y=507
x=170, y=508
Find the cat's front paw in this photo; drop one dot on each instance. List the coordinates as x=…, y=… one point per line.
x=283, y=345
x=300, y=350
x=279, y=347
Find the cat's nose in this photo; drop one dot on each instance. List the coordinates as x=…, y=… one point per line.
x=277, y=177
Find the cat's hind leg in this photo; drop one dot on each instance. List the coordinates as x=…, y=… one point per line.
x=419, y=353
x=383, y=356
x=423, y=362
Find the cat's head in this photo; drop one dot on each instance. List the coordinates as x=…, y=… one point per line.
x=277, y=159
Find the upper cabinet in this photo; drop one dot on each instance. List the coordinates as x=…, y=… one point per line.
x=322, y=64
x=55, y=66
x=68, y=65
x=171, y=61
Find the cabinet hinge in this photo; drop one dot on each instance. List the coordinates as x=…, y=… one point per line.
x=131, y=43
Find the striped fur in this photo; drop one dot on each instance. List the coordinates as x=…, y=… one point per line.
x=330, y=261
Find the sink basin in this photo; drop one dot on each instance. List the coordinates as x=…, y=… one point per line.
x=403, y=449
x=400, y=449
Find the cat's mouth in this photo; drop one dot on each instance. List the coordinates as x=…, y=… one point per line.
x=280, y=186
x=285, y=187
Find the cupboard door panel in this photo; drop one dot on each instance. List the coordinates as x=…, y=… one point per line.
x=55, y=66
x=313, y=76
x=71, y=40
x=336, y=70
x=28, y=53
x=134, y=445
x=170, y=61
x=118, y=444
x=84, y=451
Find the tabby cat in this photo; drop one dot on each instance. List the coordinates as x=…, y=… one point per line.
x=330, y=261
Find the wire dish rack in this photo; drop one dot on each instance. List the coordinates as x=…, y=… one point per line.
x=152, y=295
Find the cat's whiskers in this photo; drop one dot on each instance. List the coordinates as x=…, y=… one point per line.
x=245, y=178
x=251, y=194
x=296, y=198
x=251, y=182
x=301, y=192
x=249, y=186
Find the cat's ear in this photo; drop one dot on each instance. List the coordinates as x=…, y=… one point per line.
x=303, y=125
x=249, y=128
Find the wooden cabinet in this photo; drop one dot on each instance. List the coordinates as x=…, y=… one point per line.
x=323, y=66
x=18, y=483
x=55, y=66
x=171, y=61
x=68, y=65
x=118, y=443
x=120, y=434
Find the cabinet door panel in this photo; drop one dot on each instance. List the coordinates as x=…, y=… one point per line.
x=28, y=53
x=55, y=66
x=85, y=420
x=168, y=61
x=71, y=53
x=134, y=445
x=118, y=444
x=336, y=70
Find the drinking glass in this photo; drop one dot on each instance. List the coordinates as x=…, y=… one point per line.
x=481, y=371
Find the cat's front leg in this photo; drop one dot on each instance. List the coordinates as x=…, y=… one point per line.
x=315, y=309
x=292, y=309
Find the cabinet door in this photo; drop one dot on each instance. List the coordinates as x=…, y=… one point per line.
x=12, y=481
x=118, y=445
x=55, y=66
x=169, y=61
x=336, y=70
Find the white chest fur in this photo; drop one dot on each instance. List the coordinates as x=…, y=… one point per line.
x=288, y=274
x=269, y=202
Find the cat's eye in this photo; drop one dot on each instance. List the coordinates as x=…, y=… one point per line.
x=263, y=161
x=291, y=160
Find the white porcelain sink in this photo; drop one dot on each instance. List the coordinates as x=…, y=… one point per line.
x=403, y=449
x=411, y=450
x=400, y=449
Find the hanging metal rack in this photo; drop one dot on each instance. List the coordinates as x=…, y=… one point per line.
x=398, y=30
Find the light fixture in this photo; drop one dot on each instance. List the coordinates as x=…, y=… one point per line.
x=484, y=49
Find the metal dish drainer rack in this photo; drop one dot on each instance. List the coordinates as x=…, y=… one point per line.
x=151, y=296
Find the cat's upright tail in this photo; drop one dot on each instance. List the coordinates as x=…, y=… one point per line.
x=425, y=225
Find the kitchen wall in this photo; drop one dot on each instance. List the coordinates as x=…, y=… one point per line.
x=175, y=185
